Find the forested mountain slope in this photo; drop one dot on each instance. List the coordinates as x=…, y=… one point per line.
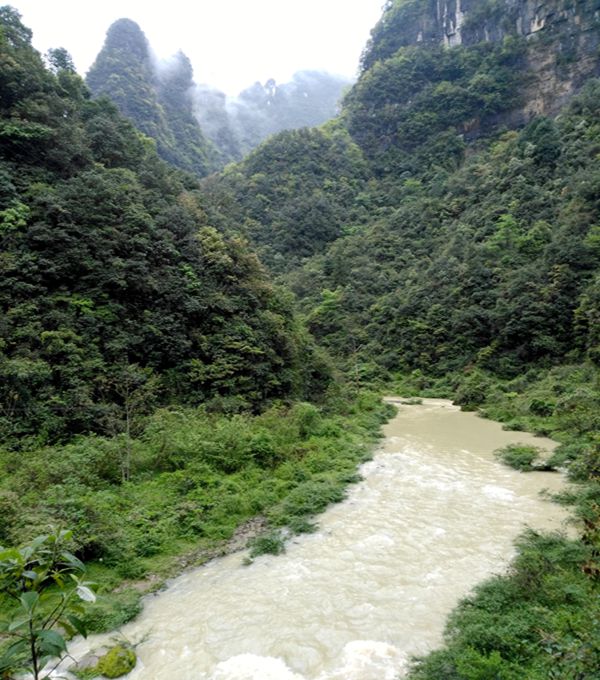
x=452, y=242
x=198, y=128
x=112, y=278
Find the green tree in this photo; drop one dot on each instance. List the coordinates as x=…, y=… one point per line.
x=60, y=60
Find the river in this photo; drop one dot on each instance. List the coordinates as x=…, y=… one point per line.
x=434, y=515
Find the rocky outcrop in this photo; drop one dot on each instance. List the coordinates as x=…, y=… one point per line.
x=563, y=39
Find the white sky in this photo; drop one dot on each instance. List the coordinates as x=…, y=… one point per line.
x=231, y=43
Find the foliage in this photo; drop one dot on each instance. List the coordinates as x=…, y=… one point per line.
x=293, y=195
x=266, y=544
x=492, y=266
x=422, y=241
x=538, y=621
x=519, y=456
x=413, y=110
x=196, y=128
x=194, y=477
x=40, y=583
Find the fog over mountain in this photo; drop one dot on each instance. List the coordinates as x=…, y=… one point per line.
x=198, y=128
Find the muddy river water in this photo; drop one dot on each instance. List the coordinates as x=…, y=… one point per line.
x=435, y=515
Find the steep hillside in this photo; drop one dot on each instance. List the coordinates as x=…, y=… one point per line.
x=561, y=36
x=434, y=247
x=495, y=264
x=292, y=196
x=510, y=60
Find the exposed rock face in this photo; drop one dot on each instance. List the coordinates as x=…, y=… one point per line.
x=563, y=39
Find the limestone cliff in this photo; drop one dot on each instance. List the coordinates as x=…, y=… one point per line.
x=563, y=39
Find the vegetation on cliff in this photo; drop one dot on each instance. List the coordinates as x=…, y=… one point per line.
x=195, y=127
x=157, y=103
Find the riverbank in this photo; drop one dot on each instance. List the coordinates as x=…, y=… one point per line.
x=541, y=619
x=201, y=485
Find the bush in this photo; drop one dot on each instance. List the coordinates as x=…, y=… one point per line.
x=307, y=418
x=519, y=456
x=267, y=544
x=472, y=392
x=541, y=407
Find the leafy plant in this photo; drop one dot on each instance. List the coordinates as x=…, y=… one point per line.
x=267, y=544
x=41, y=588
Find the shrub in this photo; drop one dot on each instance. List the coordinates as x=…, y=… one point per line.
x=267, y=544
x=541, y=407
x=519, y=456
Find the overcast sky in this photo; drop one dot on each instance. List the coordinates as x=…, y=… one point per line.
x=231, y=43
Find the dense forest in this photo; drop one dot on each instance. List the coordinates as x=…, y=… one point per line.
x=197, y=352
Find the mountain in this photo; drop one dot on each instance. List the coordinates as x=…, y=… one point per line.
x=113, y=280
x=419, y=185
x=561, y=37
x=197, y=128
x=157, y=101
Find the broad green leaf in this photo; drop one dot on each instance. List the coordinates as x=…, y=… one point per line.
x=29, y=600
x=78, y=624
x=51, y=642
x=38, y=542
x=26, y=552
x=65, y=535
x=67, y=628
x=17, y=623
x=58, y=579
x=72, y=561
